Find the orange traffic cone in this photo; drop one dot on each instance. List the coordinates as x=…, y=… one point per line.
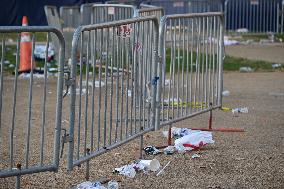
x=26, y=62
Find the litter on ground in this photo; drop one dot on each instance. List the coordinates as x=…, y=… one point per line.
x=240, y=110
x=151, y=150
x=141, y=165
x=246, y=69
x=163, y=169
x=194, y=140
x=226, y=93
x=275, y=66
x=28, y=75
x=194, y=156
x=39, y=51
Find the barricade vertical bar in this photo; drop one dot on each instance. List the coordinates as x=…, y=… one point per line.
x=105, y=94
x=93, y=60
x=210, y=63
x=87, y=92
x=87, y=174
x=14, y=104
x=111, y=88
x=1, y=81
x=278, y=16
x=73, y=98
x=183, y=66
x=117, y=88
x=44, y=101
x=59, y=101
x=191, y=65
x=141, y=146
x=121, y=65
x=186, y=36
x=221, y=49
x=178, y=62
x=122, y=58
x=80, y=97
x=282, y=17
x=203, y=63
x=206, y=64
x=30, y=105
x=18, y=178
x=213, y=61
x=100, y=37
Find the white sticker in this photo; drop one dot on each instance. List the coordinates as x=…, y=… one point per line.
x=178, y=4
x=254, y=2
x=110, y=10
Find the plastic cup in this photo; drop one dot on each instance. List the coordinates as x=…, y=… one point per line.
x=152, y=165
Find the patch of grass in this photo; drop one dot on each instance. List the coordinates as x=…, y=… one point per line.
x=11, y=57
x=230, y=63
x=39, y=36
x=234, y=64
x=279, y=37
x=254, y=37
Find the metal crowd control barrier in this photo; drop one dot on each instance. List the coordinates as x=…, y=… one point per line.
x=200, y=6
x=191, y=76
x=113, y=98
x=71, y=16
x=112, y=12
x=86, y=12
x=30, y=109
x=128, y=2
x=53, y=20
x=150, y=11
x=188, y=6
x=256, y=16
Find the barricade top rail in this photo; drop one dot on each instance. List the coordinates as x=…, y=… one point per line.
x=114, y=5
x=10, y=29
x=115, y=23
x=151, y=9
x=193, y=15
x=146, y=6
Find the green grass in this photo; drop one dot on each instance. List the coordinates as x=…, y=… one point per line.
x=234, y=64
x=230, y=63
x=279, y=37
x=39, y=36
x=9, y=55
x=254, y=37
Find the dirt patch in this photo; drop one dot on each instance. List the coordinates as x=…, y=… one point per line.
x=267, y=52
x=254, y=159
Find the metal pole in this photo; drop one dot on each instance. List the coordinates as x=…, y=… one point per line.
x=18, y=178
x=210, y=116
x=170, y=135
x=141, y=146
x=88, y=166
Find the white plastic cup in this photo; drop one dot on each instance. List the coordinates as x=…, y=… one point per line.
x=152, y=165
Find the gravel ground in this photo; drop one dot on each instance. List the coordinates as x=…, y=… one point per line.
x=254, y=159
x=268, y=52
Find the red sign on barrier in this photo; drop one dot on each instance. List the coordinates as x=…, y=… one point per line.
x=124, y=31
